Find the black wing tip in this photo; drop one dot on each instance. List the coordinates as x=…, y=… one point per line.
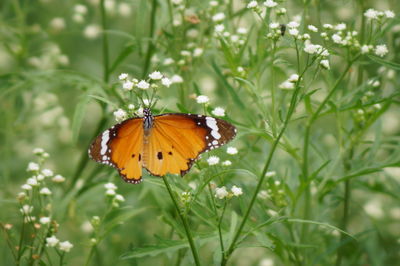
x=131, y=180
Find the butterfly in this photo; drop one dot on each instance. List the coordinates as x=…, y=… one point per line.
x=166, y=143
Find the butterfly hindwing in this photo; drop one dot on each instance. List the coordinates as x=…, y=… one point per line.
x=121, y=146
x=176, y=140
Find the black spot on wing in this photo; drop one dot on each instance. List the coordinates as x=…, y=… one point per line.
x=159, y=155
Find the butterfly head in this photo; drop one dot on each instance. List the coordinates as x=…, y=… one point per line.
x=147, y=120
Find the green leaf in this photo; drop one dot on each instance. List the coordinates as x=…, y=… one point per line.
x=122, y=56
x=79, y=114
x=232, y=227
x=230, y=89
x=385, y=63
x=320, y=224
x=165, y=246
x=102, y=99
x=126, y=215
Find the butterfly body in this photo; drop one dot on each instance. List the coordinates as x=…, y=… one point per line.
x=167, y=143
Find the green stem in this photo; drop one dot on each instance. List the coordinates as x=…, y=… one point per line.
x=105, y=42
x=264, y=171
x=150, y=47
x=221, y=240
x=184, y=222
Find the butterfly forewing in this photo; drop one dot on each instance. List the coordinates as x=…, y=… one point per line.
x=170, y=145
x=121, y=146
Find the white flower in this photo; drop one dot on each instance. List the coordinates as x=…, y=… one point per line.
x=213, y=160
x=219, y=28
x=81, y=9
x=241, y=30
x=281, y=11
x=389, y=14
x=92, y=31
x=287, y=85
x=293, y=24
x=110, y=192
x=52, y=241
x=123, y=76
x=45, y=220
x=231, y=150
x=226, y=163
x=120, y=115
x=293, y=78
x=270, y=3
x=166, y=82
x=371, y=14
x=374, y=208
x=381, y=50
x=128, y=85
x=168, y=61
x=177, y=2
x=176, y=79
x=340, y=27
x=124, y=9
x=119, y=198
x=237, y=191
x=65, y=246
x=32, y=181
x=110, y=186
x=32, y=167
x=197, y=52
x=266, y=262
x=366, y=49
x=277, y=182
x=310, y=48
x=327, y=26
x=26, y=187
x=312, y=28
x=218, y=111
x=45, y=191
x=156, y=75
x=38, y=151
x=325, y=64
x=270, y=174
x=202, y=99
x=252, y=4
x=22, y=195
x=47, y=172
x=39, y=177
x=185, y=53
x=57, y=24
x=143, y=85
x=58, y=179
x=131, y=106
x=294, y=32
x=218, y=17
x=336, y=38
x=213, y=3
x=139, y=112
x=377, y=106
x=274, y=25
x=220, y=192
x=26, y=209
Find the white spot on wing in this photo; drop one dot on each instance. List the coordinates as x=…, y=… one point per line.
x=104, y=139
x=212, y=124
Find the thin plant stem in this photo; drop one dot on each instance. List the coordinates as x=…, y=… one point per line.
x=150, y=47
x=263, y=173
x=221, y=240
x=184, y=222
x=105, y=42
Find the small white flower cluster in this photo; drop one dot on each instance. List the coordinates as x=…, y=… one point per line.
x=221, y=192
x=155, y=78
x=268, y=4
x=290, y=82
x=111, y=192
x=373, y=14
x=217, y=111
x=80, y=12
x=53, y=241
x=51, y=58
x=186, y=197
x=39, y=176
x=236, y=39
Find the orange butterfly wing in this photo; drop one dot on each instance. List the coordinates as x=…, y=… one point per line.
x=121, y=146
x=176, y=140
